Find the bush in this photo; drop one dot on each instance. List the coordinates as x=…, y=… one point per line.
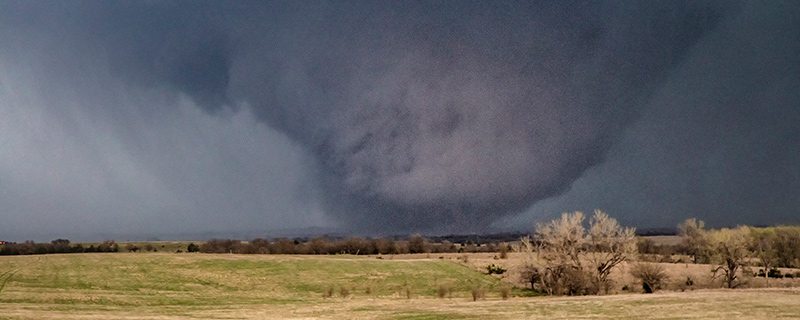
x=327, y=292
x=478, y=293
x=493, y=269
x=108, y=246
x=689, y=283
x=504, y=251
x=193, y=248
x=505, y=292
x=652, y=275
x=344, y=292
x=443, y=291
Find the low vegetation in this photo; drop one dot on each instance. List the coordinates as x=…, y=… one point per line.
x=563, y=257
x=201, y=286
x=652, y=275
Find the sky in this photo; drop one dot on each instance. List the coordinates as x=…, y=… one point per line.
x=170, y=118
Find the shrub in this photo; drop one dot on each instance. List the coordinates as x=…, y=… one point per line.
x=478, y=292
x=193, y=248
x=774, y=273
x=408, y=291
x=108, y=246
x=344, y=292
x=505, y=292
x=652, y=275
x=504, y=251
x=327, y=292
x=493, y=269
x=443, y=291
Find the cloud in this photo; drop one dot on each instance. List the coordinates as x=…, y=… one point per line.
x=427, y=116
x=450, y=117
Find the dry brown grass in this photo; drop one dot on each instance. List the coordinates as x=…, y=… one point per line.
x=244, y=294
x=677, y=273
x=701, y=304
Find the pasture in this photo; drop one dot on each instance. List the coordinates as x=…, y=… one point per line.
x=227, y=286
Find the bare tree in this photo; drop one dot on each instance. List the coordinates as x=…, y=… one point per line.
x=560, y=244
x=730, y=251
x=564, y=263
x=611, y=244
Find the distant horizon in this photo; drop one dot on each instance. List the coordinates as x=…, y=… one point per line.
x=302, y=233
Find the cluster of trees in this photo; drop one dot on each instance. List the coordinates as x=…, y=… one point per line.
x=353, y=245
x=733, y=249
x=569, y=259
x=146, y=247
x=55, y=246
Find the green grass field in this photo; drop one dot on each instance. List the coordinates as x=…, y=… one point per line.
x=207, y=286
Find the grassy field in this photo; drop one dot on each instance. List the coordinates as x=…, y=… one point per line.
x=206, y=286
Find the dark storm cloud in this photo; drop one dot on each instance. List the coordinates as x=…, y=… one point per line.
x=418, y=115
x=719, y=140
x=453, y=114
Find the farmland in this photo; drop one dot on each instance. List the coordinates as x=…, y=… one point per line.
x=229, y=286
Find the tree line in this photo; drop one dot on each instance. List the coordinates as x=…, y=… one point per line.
x=55, y=246
x=352, y=245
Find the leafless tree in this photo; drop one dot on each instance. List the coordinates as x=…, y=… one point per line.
x=611, y=244
x=559, y=246
x=573, y=260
